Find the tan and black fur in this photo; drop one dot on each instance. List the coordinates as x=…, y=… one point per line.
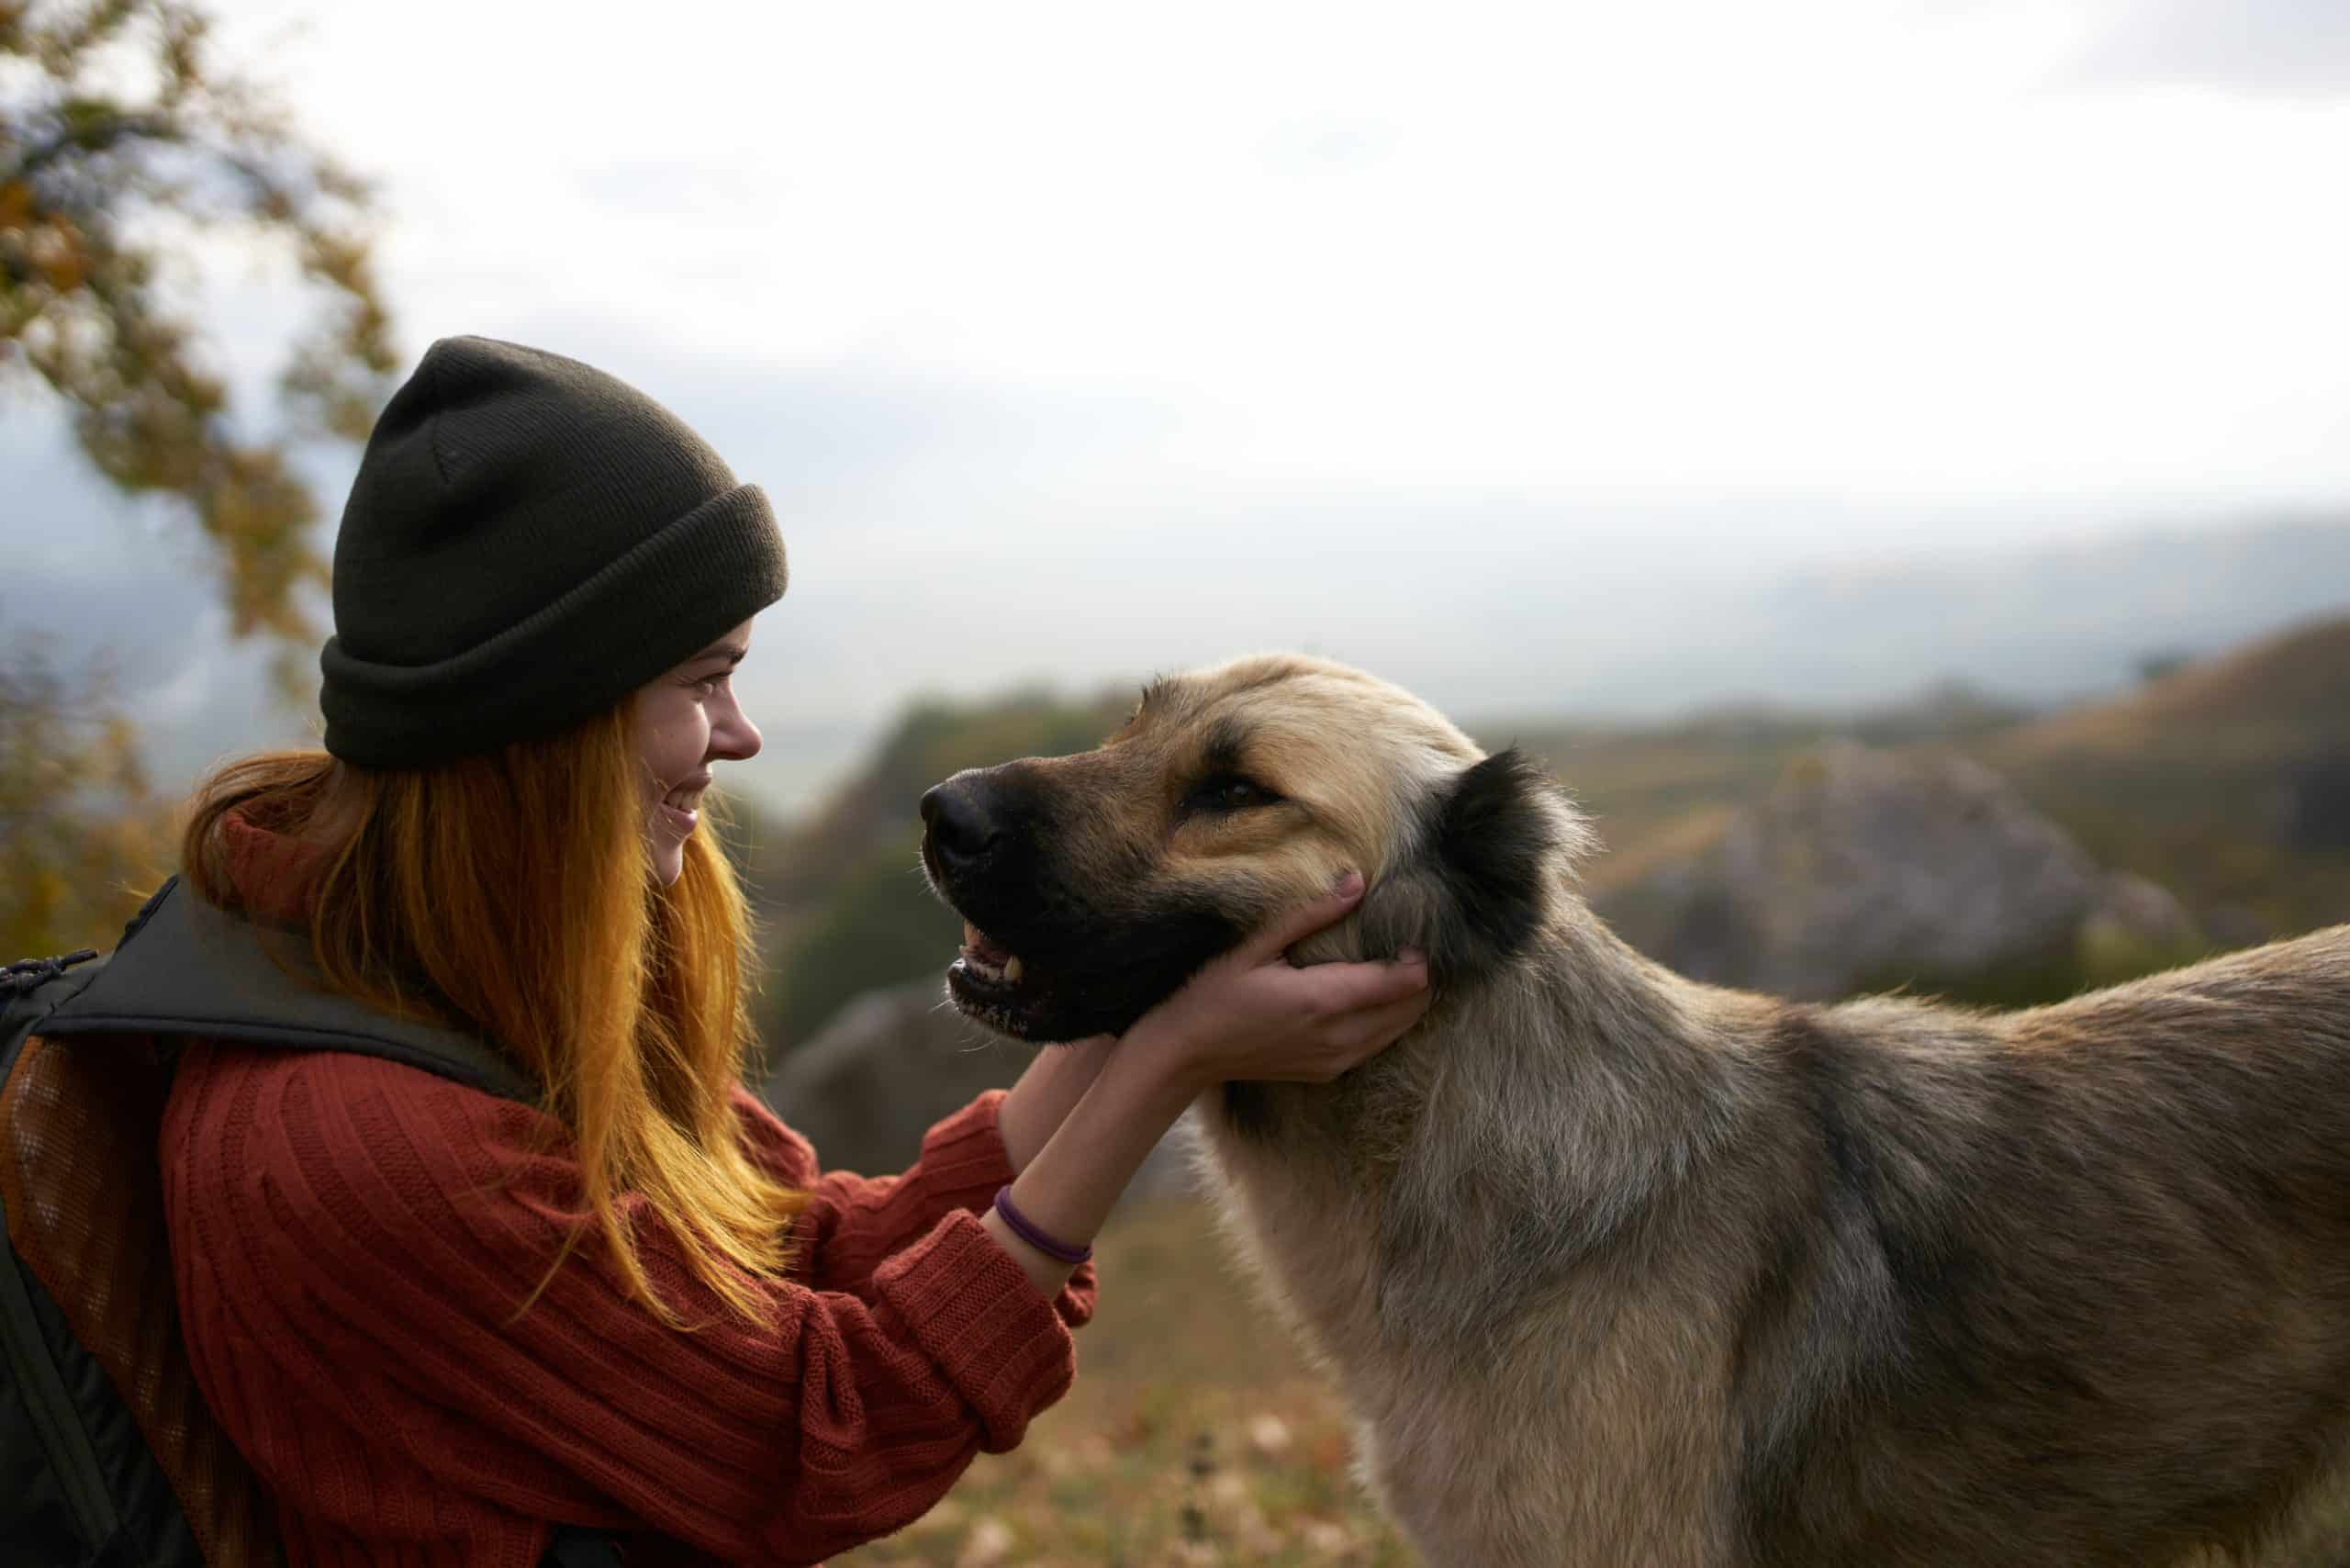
x=1617, y=1269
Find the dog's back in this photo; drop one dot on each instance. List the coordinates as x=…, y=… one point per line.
x=2068, y=1286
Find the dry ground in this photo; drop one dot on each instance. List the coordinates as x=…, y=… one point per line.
x=1194, y=1435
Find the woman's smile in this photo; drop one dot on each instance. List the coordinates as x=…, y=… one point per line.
x=680, y=805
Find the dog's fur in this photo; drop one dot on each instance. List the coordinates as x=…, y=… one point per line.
x=1613, y=1268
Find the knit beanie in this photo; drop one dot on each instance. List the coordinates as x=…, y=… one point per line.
x=528, y=540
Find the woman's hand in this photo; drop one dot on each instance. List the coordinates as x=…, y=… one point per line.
x=1247, y=1015
x=1250, y=1014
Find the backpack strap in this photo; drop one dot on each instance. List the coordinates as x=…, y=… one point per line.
x=187, y=968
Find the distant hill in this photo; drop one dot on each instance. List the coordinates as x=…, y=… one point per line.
x=2279, y=695
x=2227, y=781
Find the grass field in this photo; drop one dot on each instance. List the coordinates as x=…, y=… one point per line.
x=1194, y=1435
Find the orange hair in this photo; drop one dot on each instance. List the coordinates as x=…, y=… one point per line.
x=512, y=894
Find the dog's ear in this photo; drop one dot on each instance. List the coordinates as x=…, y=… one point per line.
x=1494, y=840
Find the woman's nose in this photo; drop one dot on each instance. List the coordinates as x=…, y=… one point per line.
x=735, y=737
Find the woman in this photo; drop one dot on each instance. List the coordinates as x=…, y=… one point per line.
x=441, y=1323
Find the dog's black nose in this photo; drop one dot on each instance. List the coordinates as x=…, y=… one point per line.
x=960, y=823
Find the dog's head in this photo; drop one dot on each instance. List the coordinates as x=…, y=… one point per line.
x=1092, y=886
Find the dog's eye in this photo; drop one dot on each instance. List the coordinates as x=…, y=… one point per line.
x=1230, y=792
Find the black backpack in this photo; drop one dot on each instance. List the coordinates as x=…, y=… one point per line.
x=108, y=1458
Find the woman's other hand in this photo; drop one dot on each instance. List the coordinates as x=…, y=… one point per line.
x=1250, y=1014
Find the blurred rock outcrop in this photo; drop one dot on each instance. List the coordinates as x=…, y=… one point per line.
x=894, y=1060
x=1864, y=869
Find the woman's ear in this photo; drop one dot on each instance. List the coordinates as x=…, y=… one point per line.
x=1493, y=838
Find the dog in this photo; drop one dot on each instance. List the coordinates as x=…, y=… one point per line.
x=1614, y=1267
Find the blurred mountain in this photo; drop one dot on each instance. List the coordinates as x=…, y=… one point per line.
x=2226, y=780
x=2060, y=622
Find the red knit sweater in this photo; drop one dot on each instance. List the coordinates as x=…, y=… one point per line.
x=351, y=1239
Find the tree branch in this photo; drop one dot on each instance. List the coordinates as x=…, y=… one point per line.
x=94, y=138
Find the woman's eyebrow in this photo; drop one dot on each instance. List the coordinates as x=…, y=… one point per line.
x=732, y=653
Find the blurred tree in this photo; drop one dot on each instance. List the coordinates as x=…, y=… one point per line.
x=80, y=834
x=122, y=141
x=124, y=145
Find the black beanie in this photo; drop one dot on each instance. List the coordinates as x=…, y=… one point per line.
x=528, y=540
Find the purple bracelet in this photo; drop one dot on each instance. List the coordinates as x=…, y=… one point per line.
x=1025, y=1228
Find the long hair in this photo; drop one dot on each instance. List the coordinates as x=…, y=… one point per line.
x=512, y=894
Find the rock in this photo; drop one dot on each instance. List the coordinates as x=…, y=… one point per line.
x=1864, y=870
x=1268, y=1435
x=2316, y=808
x=871, y=1081
x=1326, y=1540
x=988, y=1544
x=2135, y=910
x=2231, y=925
x=893, y=1061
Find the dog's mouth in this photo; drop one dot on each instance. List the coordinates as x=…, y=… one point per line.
x=1047, y=961
x=993, y=983
x=985, y=961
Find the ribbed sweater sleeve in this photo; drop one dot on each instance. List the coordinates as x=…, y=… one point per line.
x=854, y=1222
x=352, y=1240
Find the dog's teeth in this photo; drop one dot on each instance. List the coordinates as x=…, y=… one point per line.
x=1012, y=970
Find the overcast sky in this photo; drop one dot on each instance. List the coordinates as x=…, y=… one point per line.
x=1077, y=340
